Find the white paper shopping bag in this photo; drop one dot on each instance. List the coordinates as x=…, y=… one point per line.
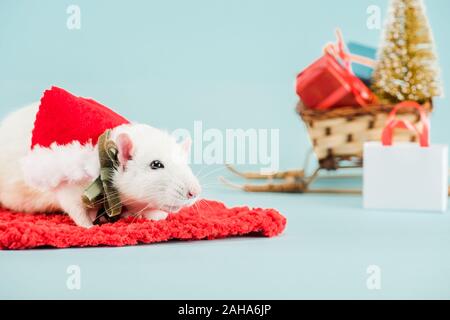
x=405, y=176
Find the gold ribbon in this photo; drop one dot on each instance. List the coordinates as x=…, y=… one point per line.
x=101, y=194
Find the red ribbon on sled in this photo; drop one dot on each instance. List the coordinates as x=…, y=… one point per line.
x=392, y=123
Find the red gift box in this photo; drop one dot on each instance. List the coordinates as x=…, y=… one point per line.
x=328, y=83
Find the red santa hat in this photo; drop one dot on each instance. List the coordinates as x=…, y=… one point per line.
x=64, y=137
x=64, y=118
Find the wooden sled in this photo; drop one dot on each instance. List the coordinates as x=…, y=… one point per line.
x=337, y=137
x=293, y=181
x=296, y=181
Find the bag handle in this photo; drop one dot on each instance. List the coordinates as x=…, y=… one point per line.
x=392, y=123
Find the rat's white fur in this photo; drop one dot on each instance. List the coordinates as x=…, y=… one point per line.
x=53, y=179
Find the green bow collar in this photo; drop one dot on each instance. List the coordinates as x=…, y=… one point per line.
x=101, y=194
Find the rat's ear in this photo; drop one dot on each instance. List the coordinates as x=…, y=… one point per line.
x=186, y=145
x=125, y=148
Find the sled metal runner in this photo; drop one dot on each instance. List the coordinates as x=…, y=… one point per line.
x=291, y=182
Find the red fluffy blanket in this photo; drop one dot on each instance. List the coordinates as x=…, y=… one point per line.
x=206, y=220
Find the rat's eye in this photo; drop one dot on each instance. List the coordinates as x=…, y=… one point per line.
x=155, y=165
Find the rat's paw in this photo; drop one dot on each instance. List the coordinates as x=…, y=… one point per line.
x=83, y=221
x=155, y=215
x=84, y=224
x=87, y=226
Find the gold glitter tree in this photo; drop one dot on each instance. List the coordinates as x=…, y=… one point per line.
x=407, y=63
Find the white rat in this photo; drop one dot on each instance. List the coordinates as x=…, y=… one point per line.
x=153, y=179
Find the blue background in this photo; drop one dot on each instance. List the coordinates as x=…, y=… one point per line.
x=231, y=64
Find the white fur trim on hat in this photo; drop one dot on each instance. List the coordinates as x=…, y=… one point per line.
x=48, y=168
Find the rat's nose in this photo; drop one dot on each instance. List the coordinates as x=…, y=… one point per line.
x=191, y=194
x=193, y=191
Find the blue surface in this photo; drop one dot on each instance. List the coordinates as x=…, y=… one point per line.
x=231, y=64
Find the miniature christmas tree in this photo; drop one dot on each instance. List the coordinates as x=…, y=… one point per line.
x=407, y=63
